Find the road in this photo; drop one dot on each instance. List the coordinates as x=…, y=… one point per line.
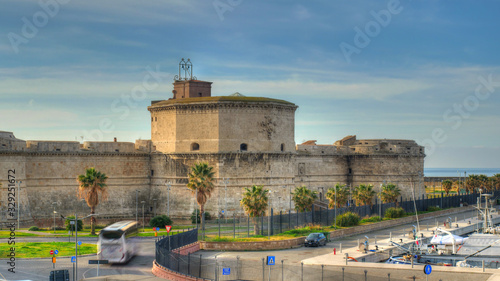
x=39, y=269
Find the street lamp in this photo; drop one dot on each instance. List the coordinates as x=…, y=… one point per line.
x=226, y=181
x=54, y=205
x=142, y=202
x=168, y=184
x=136, y=204
x=279, y=203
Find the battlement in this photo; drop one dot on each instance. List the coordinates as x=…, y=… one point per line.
x=59, y=146
x=350, y=145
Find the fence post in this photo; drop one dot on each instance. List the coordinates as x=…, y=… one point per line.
x=234, y=225
x=282, y=272
x=322, y=272
x=189, y=263
x=200, y=267
x=327, y=214
x=281, y=222
x=312, y=214
x=272, y=221
x=238, y=267
x=248, y=225
x=289, y=219
x=262, y=225
x=219, y=224
x=301, y=271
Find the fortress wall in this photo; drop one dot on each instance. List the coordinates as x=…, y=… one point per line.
x=15, y=163
x=62, y=146
x=51, y=177
x=102, y=147
x=262, y=127
x=197, y=125
x=163, y=130
x=401, y=170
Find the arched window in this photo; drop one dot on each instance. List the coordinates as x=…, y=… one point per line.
x=195, y=146
x=243, y=147
x=282, y=147
x=199, y=94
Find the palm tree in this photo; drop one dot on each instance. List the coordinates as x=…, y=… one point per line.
x=303, y=198
x=447, y=184
x=390, y=193
x=91, y=184
x=342, y=195
x=364, y=194
x=201, y=183
x=255, y=202
x=474, y=182
x=495, y=181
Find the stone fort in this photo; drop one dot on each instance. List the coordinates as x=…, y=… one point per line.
x=248, y=141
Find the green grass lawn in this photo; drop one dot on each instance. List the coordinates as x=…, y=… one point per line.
x=6, y=234
x=41, y=250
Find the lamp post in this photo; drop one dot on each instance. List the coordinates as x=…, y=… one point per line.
x=154, y=207
x=290, y=199
x=142, y=202
x=226, y=181
x=168, y=184
x=136, y=204
x=54, y=215
x=322, y=193
x=269, y=217
x=75, y=277
x=18, y=199
x=279, y=203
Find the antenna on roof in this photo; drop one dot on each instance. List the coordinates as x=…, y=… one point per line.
x=185, y=71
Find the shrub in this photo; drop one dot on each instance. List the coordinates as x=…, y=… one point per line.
x=371, y=219
x=348, y=219
x=34, y=228
x=160, y=221
x=433, y=209
x=193, y=216
x=72, y=226
x=393, y=213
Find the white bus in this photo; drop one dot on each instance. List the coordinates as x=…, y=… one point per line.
x=117, y=242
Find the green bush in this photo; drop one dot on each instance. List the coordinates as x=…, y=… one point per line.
x=371, y=219
x=393, y=213
x=193, y=216
x=160, y=221
x=348, y=219
x=34, y=228
x=72, y=226
x=433, y=209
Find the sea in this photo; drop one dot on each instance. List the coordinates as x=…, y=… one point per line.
x=455, y=172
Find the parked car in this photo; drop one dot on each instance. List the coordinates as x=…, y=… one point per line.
x=315, y=239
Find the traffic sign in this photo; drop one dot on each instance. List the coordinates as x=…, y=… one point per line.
x=427, y=269
x=157, y=229
x=271, y=260
x=226, y=271
x=168, y=227
x=51, y=252
x=53, y=259
x=73, y=259
x=222, y=211
x=79, y=243
x=56, y=252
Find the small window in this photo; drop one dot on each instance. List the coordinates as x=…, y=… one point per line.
x=282, y=147
x=199, y=94
x=58, y=149
x=390, y=148
x=117, y=150
x=150, y=209
x=243, y=147
x=151, y=119
x=152, y=172
x=195, y=146
x=3, y=144
x=156, y=119
x=350, y=171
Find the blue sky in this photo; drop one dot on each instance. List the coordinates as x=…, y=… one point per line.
x=422, y=70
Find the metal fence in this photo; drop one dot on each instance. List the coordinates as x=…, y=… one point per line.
x=164, y=246
x=216, y=268
x=278, y=222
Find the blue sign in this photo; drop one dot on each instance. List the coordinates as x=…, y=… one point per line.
x=222, y=211
x=427, y=269
x=271, y=260
x=73, y=259
x=226, y=271
x=157, y=229
x=56, y=252
x=79, y=243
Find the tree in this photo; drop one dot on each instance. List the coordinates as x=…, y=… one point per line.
x=91, y=184
x=474, y=182
x=342, y=195
x=255, y=202
x=495, y=181
x=364, y=194
x=390, y=193
x=447, y=184
x=201, y=183
x=303, y=198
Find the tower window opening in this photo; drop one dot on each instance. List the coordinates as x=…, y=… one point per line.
x=243, y=147
x=156, y=119
x=282, y=147
x=199, y=94
x=195, y=146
